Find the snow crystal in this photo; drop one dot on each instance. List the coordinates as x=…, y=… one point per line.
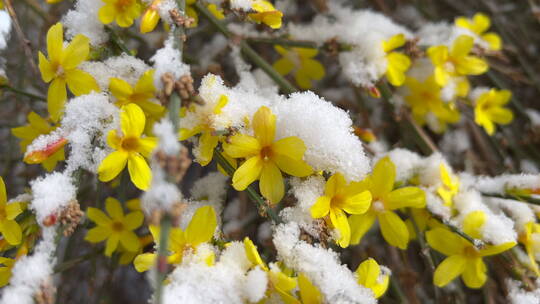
x=322, y=266
x=5, y=28
x=406, y=161
x=168, y=140
x=125, y=67
x=499, y=184
x=244, y=5
x=534, y=116
x=30, y=271
x=256, y=282
x=518, y=295
x=211, y=187
x=84, y=20
x=168, y=60
x=161, y=195
x=51, y=193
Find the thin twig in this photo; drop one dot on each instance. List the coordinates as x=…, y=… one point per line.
x=21, y=92
x=25, y=43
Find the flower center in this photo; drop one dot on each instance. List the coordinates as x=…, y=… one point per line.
x=378, y=206
x=130, y=143
x=337, y=201
x=470, y=252
x=117, y=226
x=3, y=213
x=122, y=5
x=266, y=153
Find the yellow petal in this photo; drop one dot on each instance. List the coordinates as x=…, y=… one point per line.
x=264, y=126
x=11, y=231
x=97, y=234
x=445, y=241
x=76, y=52
x=474, y=275
x=112, y=165
x=471, y=65
x=339, y=220
x=241, y=145
x=223, y=101
x=308, y=292
x=462, y=46
x=496, y=249
x=393, y=229
x=144, y=262
x=271, y=183
x=481, y=22
x=149, y=20
x=358, y=203
x=147, y=145
x=130, y=241
x=120, y=88
x=448, y=270
x=313, y=68
x=14, y=209
x=247, y=173
x=393, y=43
x=253, y=255
x=406, y=197
x=184, y=133
x=383, y=176
x=321, y=207
x=132, y=120
x=202, y=226
x=139, y=171
x=303, y=80
x=107, y=13
x=46, y=69
x=397, y=65
x=306, y=53
x=112, y=244
x=190, y=12
x=207, y=143
x=438, y=54
x=360, y=224
x=292, y=147
x=80, y=82
x=133, y=220
x=335, y=184
x=55, y=42
x=114, y=208
x=292, y=166
x=97, y=216
x=56, y=98
x=368, y=272
x=441, y=76
x=284, y=66
x=493, y=40
x=500, y=115
x=473, y=222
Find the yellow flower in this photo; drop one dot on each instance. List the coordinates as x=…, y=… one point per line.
x=130, y=148
x=397, y=63
x=309, y=293
x=208, y=139
x=479, y=24
x=151, y=17
x=530, y=238
x=123, y=11
x=5, y=270
x=216, y=11
x=424, y=98
x=369, y=275
x=386, y=199
x=340, y=197
x=126, y=257
x=463, y=257
x=457, y=61
x=141, y=95
x=54, y=1
x=199, y=230
x=266, y=13
x=115, y=228
x=488, y=109
x=9, y=228
x=300, y=62
x=449, y=187
x=38, y=126
x=61, y=69
x=266, y=158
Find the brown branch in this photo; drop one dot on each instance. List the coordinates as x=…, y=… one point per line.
x=25, y=43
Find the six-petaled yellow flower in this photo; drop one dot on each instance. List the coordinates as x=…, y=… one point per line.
x=116, y=228
x=142, y=94
x=61, y=69
x=489, y=110
x=424, y=98
x=266, y=157
x=339, y=199
x=386, y=200
x=130, y=148
x=121, y=11
x=397, y=63
x=37, y=126
x=6, y=265
x=199, y=230
x=266, y=13
x=449, y=185
x=479, y=24
x=10, y=229
x=369, y=275
x=300, y=62
x=463, y=258
x=457, y=61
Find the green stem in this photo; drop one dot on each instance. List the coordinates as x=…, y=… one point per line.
x=285, y=42
x=519, y=198
x=117, y=41
x=454, y=229
x=251, y=191
x=283, y=83
x=161, y=273
x=21, y=92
